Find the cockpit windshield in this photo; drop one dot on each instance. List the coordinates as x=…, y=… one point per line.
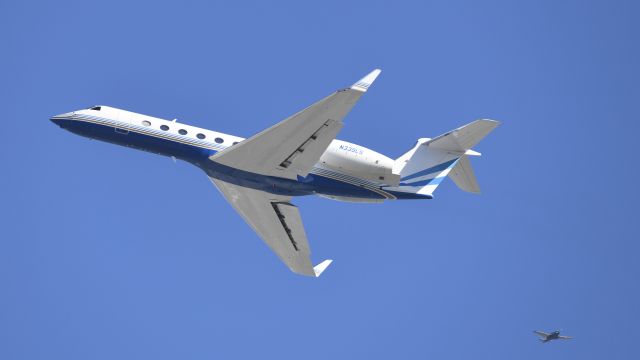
x=96, y=108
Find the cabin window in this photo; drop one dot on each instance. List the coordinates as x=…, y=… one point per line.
x=182, y=132
x=200, y=136
x=235, y=142
x=146, y=123
x=96, y=108
x=164, y=127
x=219, y=140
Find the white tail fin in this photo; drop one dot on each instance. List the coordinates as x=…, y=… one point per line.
x=424, y=167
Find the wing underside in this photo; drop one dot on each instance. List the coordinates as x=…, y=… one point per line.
x=277, y=222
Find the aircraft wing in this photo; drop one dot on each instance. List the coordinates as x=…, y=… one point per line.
x=565, y=337
x=277, y=222
x=292, y=146
x=541, y=333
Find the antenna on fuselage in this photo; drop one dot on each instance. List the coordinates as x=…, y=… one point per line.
x=174, y=120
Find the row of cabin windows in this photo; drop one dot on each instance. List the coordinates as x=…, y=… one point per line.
x=200, y=136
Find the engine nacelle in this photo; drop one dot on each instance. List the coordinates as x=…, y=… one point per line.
x=360, y=162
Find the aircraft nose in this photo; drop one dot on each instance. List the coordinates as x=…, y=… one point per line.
x=61, y=119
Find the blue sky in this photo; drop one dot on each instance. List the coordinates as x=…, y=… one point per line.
x=109, y=253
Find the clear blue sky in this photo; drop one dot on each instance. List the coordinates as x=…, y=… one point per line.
x=109, y=253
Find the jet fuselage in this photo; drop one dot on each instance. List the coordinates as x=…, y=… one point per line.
x=346, y=171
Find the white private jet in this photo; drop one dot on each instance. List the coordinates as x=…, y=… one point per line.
x=297, y=156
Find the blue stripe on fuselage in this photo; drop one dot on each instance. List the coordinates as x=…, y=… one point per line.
x=436, y=168
x=434, y=181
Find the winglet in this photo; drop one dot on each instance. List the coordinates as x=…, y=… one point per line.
x=364, y=83
x=318, y=269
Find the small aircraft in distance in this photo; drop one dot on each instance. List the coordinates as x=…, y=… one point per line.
x=545, y=337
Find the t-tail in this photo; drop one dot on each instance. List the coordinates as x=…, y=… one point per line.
x=430, y=161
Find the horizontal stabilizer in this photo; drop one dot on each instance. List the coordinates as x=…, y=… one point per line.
x=320, y=268
x=465, y=137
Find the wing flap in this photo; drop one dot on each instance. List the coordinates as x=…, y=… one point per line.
x=307, y=154
x=291, y=221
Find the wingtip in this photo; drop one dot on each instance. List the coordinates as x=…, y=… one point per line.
x=320, y=268
x=495, y=123
x=364, y=83
x=472, y=152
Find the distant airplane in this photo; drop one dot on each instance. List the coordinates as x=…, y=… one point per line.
x=544, y=337
x=295, y=157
